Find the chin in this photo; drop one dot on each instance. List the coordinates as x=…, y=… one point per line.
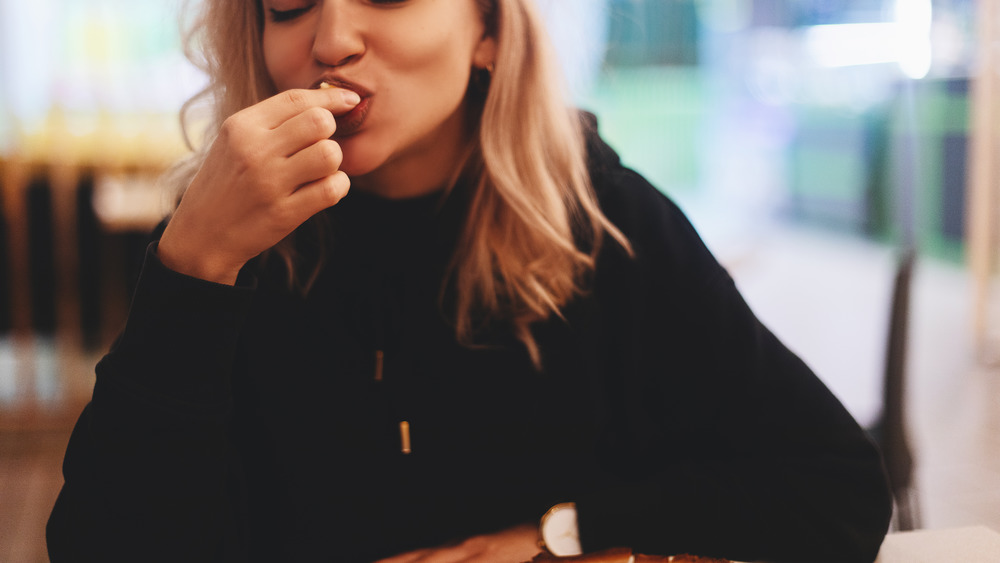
x=355, y=171
x=359, y=158
x=357, y=165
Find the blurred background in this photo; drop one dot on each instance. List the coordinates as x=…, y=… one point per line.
x=813, y=143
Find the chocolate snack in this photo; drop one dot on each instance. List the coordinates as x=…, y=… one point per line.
x=625, y=555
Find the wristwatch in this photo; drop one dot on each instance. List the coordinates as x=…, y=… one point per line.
x=558, y=532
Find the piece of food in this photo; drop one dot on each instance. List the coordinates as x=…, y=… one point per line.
x=625, y=555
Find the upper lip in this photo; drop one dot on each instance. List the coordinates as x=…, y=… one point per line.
x=345, y=84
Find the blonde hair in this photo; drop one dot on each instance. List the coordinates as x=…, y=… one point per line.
x=224, y=42
x=533, y=227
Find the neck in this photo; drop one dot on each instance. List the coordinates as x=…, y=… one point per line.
x=425, y=168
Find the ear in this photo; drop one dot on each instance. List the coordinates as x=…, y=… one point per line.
x=485, y=54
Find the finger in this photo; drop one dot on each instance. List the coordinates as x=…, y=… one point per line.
x=318, y=160
x=316, y=196
x=281, y=107
x=456, y=554
x=408, y=557
x=303, y=130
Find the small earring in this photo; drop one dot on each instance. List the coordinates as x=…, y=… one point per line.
x=482, y=77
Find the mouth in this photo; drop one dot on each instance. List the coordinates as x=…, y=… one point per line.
x=351, y=122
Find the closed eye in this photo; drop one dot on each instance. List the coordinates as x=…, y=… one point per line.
x=279, y=16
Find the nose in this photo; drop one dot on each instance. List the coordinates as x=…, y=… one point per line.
x=339, y=38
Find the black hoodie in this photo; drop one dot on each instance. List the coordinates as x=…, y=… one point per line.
x=250, y=423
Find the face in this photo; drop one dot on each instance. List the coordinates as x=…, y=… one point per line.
x=410, y=60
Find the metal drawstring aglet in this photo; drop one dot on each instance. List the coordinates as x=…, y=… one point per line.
x=404, y=437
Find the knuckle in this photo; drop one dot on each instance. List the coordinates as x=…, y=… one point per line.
x=235, y=135
x=335, y=187
x=330, y=153
x=297, y=99
x=322, y=121
x=230, y=127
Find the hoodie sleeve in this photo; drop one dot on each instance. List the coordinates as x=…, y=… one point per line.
x=728, y=444
x=149, y=471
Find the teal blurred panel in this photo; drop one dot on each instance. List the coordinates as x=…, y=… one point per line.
x=654, y=117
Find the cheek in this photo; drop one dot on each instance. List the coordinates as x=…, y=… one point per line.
x=435, y=62
x=284, y=53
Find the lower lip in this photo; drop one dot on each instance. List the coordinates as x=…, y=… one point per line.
x=351, y=122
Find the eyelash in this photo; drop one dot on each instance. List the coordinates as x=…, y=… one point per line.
x=279, y=16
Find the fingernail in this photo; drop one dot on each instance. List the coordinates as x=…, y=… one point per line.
x=351, y=97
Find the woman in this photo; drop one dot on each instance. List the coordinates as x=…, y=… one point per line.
x=409, y=302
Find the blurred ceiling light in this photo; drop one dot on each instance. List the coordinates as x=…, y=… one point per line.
x=905, y=41
x=915, y=17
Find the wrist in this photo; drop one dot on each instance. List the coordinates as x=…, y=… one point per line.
x=194, y=264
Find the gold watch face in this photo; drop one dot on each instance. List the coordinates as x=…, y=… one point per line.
x=560, y=532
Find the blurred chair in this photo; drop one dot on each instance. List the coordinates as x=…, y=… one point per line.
x=41, y=326
x=890, y=430
x=39, y=210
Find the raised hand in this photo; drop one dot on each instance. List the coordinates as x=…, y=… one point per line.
x=272, y=167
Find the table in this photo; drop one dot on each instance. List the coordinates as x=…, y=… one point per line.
x=976, y=544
